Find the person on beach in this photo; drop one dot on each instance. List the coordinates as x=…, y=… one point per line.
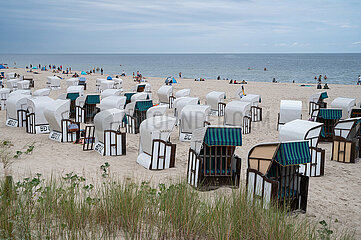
x=320, y=78
x=101, y=71
x=325, y=77
x=359, y=80
x=180, y=74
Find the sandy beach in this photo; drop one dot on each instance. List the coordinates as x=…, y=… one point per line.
x=334, y=196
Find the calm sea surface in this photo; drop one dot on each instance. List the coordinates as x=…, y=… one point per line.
x=339, y=68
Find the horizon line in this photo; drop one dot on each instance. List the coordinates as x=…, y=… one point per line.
x=175, y=53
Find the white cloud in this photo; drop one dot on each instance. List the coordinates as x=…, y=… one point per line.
x=356, y=43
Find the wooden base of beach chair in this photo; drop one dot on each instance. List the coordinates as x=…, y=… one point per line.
x=86, y=114
x=114, y=144
x=171, y=101
x=256, y=114
x=89, y=138
x=217, y=167
x=19, y=122
x=313, y=106
x=246, y=125
x=221, y=108
x=33, y=128
x=65, y=135
x=131, y=125
x=316, y=167
x=327, y=132
x=345, y=151
x=2, y=104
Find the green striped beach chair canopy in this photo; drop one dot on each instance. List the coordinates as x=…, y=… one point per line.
x=293, y=153
x=92, y=99
x=329, y=113
x=223, y=136
x=143, y=105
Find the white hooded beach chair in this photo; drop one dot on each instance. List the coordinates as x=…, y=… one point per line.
x=107, y=84
x=289, y=110
x=118, y=83
x=72, y=93
x=109, y=141
x=136, y=111
x=211, y=159
x=164, y=93
x=346, y=104
x=62, y=129
x=181, y=102
x=317, y=101
x=110, y=102
x=42, y=92
x=98, y=82
x=111, y=92
x=143, y=87
x=215, y=100
x=53, y=82
x=16, y=109
x=237, y=113
x=23, y=85
x=12, y=84
x=86, y=108
x=21, y=91
x=256, y=111
x=4, y=94
x=75, y=89
x=36, y=122
x=346, y=145
x=30, y=78
x=311, y=131
x=156, y=111
x=72, y=82
x=10, y=75
x=273, y=174
x=191, y=118
x=156, y=152
x=179, y=94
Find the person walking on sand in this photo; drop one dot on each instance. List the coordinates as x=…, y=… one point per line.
x=101, y=71
x=359, y=80
x=180, y=74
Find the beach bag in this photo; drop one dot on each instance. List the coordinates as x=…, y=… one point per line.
x=73, y=127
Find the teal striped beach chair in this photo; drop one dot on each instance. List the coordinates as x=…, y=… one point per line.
x=329, y=117
x=86, y=109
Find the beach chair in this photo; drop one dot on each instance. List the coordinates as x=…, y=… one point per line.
x=109, y=141
x=72, y=82
x=110, y=102
x=346, y=144
x=86, y=108
x=211, y=159
x=12, y=84
x=156, y=111
x=289, y=110
x=215, y=100
x=42, y=92
x=23, y=85
x=10, y=75
x=237, y=113
x=346, y=104
x=143, y=87
x=256, y=111
x=16, y=109
x=181, y=102
x=329, y=117
x=98, y=82
x=21, y=91
x=4, y=94
x=297, y=130
x=191, y=118
x=156, y=152
x=72, y=93
x=111, y=92
x=107, y=84
x=82, y=82
x=273, y=174
x=164, y=93
x=179, y=94
x=53, y=82
x=36, y=122
x=62, y=129
x=317, y=101
x=28, y=78
x=136, y=112
x=118, y=83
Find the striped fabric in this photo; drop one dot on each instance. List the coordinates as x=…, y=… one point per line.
x=330, y=113
x=222, y=136
x=72, y=96
x=323, y=96
x=293, y=153
x=92, y=99
x=129, y=95
x=143, y=105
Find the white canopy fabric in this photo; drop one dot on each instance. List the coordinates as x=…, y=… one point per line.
x=10, y=75
x=146, y=89
x=55, y=112
x=164, y=92
x=53, y=81
x=213, y=98
x=139, y=96
x=183, y=93
x=193, y=117
x=111, y=92
x=42, y=92
x=109, y=119
x=181, y=102
x=345, y=104
x=346, y=126
x=315, y=97
x=110, y=102
x=80, y=101
x=300, y=130
x=16, y=102
x=107, y=84
x=254, y=99
x=290, y=110
x=72, y=82
x=38, y=105
x=4, y=93
x=118, y=83
x=156, y=111
x=24, y=84
x=12, y=83
x=235, y=111
x=21, y=91
x=76, y=89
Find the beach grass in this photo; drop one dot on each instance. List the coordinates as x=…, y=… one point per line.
x=72, y=208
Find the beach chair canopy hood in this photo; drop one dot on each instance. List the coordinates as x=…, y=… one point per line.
x=21, y=91
x=111, y=92
x=345, y=104
x=348, y=128
x=109, y=119
x=300, y=130
x=139, y=96
x=98, y=81
x=53, y=81
x=118, y=83
x=180, y=103
x=143, y=87
x=16, y=102
x=12, y=83
x=156, y=111
x=10, y=75
x=55, y=112
x=183, y=93
x=157, y=127
x=252, y=98
x=107, y=84
x=213, y=98
x=72, y=82
x=164, y=92
x=290, y=110
x=235, y=111
x=112, y=102
x=4, y=93
x=193, y=117
x=42, y=92
x=317, y=97
x=76, y=89
x=37, y=105
x=24, y=84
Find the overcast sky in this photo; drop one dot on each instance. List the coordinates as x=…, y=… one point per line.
x=186, y=26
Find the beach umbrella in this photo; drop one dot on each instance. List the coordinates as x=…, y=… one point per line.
x=109, y=78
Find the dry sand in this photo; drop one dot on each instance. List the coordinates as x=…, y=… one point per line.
x=336, y=195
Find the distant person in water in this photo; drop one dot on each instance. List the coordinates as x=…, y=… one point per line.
x=320, y=78
x=265, y=69
x=101, y=71
x=180, y=74
x=325, y=77
x=359, y=80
